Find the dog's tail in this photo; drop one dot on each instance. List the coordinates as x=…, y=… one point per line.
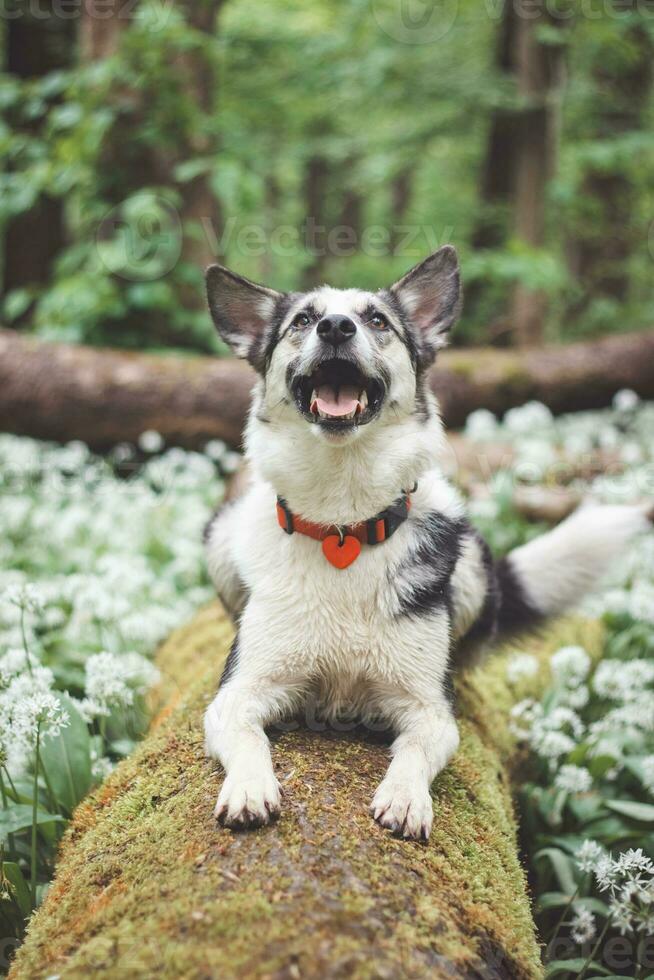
x=553, y=572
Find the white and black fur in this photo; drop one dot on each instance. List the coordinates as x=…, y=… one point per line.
x=380, y=638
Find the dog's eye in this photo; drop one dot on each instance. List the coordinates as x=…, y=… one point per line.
x=302, y=320
x=378, y=321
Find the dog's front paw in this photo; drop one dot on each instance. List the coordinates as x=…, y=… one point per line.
x=404, y=808
x=248, y=803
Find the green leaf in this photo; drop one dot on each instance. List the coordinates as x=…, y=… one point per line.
x=18, y=816
x=67, y=759
x=550, y=804
x=570, y=843
x=16, y=303
x=552, y=900
x=611, y=830
x=594, y=905
x=24, y=790
x=66, y=115
x=575, y=966
x=635, y=765
x=190, y=169
x=563, y=867
x=587, y=807
x=41, y=891
x=122, y=746
x=19, y=888
x=599, y=765
x=644, y=812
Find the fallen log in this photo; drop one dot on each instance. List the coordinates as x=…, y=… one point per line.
x=64, y=392
x=147, y=884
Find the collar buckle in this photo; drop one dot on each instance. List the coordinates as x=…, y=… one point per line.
x=284, y=516
x=380, y=528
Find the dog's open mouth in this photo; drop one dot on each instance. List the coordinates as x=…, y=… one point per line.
x=338, y=395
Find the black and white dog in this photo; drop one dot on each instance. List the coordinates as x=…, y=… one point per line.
x=349, y=564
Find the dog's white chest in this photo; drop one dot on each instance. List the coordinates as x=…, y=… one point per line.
x=337, y=629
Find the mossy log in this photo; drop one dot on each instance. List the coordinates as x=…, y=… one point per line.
x=147, y=884
x=103, y=397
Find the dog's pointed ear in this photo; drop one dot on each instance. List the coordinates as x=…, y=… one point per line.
x=430, y=294
x=241, y=310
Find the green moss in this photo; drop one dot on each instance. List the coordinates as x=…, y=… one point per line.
x=147, y=885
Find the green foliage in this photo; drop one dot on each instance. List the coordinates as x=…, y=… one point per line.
x=587, y=740
x=125, y=142
x=591, y=773
x=86, y=594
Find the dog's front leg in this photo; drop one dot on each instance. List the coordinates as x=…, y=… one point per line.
x=234, y=734
x=427, y=739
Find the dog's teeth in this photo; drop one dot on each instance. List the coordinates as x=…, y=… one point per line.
x=362, y=403
x=326, y=415
x=313, y=402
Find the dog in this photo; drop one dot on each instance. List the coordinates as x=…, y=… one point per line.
x=349, y=566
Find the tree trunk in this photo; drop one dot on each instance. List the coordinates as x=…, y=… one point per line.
x=102, y=24
x=608, y=234
x=316, y=177
x=499, y=164
x=538, y=68
x=125, y=172
x=519, y=158
x=123, y=164
x=200, y=207
x=148, y=885
x=496, y=182
x=401, y=191
x=126, y=165
x=272, y=198
x=62, y=392
x=351, y=219
x=35, y=46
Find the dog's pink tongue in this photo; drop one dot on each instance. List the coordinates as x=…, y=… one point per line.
x=331, y=403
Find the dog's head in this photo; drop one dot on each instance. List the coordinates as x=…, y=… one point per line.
x=340, y=359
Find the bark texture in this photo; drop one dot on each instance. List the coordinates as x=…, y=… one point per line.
x=608, y=229
x=62, y=392
x=520, y=156
x=147, y=885
x=316, y=187
x=497, y=178
x=37, y=41
x=127, y=165
x=538, y=74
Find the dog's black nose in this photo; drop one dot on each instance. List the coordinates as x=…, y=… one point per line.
x=336, y=329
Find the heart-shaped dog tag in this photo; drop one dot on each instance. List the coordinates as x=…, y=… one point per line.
x=341, y=554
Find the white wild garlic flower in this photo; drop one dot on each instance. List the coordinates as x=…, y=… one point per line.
x=521, y=665
x=112, y=680
x=583, y=926
x=573, y=779
x=570, y=666
x=589, y=855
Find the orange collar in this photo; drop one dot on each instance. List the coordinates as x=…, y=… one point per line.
x=344, y=546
